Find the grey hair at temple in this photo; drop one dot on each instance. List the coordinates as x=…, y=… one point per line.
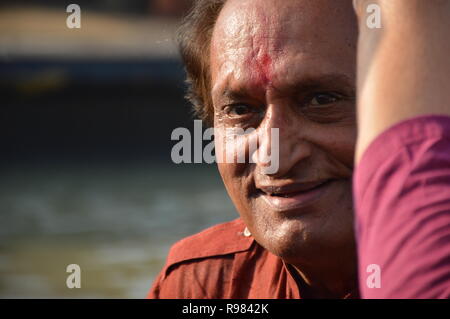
x=194, y=39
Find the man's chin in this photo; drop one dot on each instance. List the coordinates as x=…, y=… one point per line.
x=288, y=240
x=303, y=239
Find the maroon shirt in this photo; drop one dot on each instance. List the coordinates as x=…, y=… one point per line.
x=222, y=263
x=402, y=198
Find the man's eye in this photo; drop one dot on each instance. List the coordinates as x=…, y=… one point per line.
x=238, y=110
x=319, y=99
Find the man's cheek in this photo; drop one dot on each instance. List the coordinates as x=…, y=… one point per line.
x=338, y=144
x=345, y=150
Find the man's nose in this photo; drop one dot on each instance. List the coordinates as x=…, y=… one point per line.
x=291, y=145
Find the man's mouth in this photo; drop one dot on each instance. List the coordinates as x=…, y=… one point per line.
x=295, y=195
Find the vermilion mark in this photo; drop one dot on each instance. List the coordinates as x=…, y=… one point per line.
x=262, y=65
x=265, y=65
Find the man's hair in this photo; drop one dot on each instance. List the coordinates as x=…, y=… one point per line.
x=194, y=40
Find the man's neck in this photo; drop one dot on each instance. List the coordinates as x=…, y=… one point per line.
x=335, y=280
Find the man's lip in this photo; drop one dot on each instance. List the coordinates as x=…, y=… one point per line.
x=293, y=197
x=287, y=190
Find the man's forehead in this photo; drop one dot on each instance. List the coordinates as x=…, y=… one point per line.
x=271, y=26
x=248, y=23
x=248, y=37
x=255, y=40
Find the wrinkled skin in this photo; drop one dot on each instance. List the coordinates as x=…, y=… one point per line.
x=291, y=65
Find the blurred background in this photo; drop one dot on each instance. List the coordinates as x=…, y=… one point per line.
x=85, y=170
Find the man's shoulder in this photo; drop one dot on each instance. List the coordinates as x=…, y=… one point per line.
x=202, y=265
x=219, y=240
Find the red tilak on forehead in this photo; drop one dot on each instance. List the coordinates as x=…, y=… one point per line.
x=262, y=45
x=261, y=69
x=265, y=63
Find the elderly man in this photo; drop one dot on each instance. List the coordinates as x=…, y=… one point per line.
x=289, y=65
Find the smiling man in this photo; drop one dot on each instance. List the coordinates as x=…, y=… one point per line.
x=289, y=65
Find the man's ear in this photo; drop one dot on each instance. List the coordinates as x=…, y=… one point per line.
x=360, y=7
x=356, y=6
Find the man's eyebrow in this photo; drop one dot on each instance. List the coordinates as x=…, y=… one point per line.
x=234, y=94
x=320, y=80
x=307, y=82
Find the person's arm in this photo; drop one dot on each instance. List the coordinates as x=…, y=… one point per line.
x=404, y=66
x=402, y=177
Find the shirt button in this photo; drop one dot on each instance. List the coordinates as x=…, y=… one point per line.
x=247, y=233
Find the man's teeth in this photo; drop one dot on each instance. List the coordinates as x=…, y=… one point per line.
x=280, y=195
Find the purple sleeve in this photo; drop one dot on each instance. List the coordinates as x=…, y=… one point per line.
x=402, y=200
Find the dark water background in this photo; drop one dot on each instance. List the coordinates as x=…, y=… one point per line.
x=116, y=222
x=86, y=176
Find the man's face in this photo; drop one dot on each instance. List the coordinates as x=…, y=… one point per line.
x=289, y=65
